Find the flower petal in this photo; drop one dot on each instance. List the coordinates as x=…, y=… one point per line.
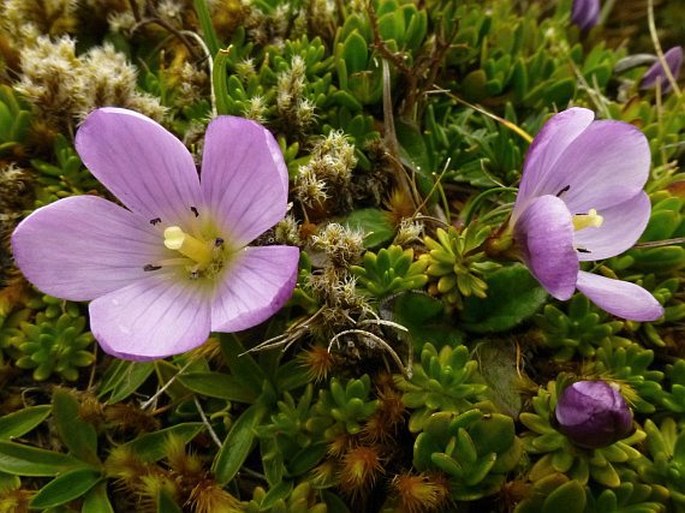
x=656, y=73
x=244, y=178
x=82, y=247
x=156, y=317
x=623, y=224
x=620, y=298
x=585, y=13
x=605, y=165
x=556, y=135
x=141, y=163
x=257, y=285
x=545, y=234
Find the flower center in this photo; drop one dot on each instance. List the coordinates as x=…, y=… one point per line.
x=200, y=256
x=200, y=252
x=589, y=220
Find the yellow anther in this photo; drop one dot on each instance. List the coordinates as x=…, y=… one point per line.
x=591, y=219
x=198, y=251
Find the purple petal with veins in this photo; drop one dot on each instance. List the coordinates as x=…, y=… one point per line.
x=581, y=199
x=172, y=265
x=585, y=13
x=656, y=73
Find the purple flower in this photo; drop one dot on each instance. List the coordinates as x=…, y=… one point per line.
x=581, y=199
x=173, y=265
x=656, y=74
x=592, y=414
x=585, y=13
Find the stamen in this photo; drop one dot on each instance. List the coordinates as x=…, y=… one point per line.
x=218, y=242
x=194, y=211
x=150, y=267
x=563, y=190
x=590, y=220
x=155, y=221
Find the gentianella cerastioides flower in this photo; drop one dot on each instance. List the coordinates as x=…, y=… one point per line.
x=585, y=13
x=581, y=200
x=656, y=73
x=174, y=264
x=593, y=414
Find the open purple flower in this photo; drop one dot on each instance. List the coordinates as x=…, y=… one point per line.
x=585, y=13
x=174, y=264
x=656, y=74
x=580, y=200
x=592, y=414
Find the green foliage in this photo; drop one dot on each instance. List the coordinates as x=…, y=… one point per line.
x=455, y=266
x=501, y=310
x=603, y=466
x=445, y=381
x=65, y=177
x=287, y=445
x=628, y=363
x=580, y=330
x=55, y=341
x=389, y=271
x=15, y=122
x=301, y=499
x=474, y=449
x=666, y=446
x=342, y=409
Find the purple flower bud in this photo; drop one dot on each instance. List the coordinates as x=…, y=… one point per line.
x=656, y=74
x=592, y=414
x=585, y=13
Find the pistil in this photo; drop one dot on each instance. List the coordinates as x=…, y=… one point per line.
x=590, y=220
x=197, y=250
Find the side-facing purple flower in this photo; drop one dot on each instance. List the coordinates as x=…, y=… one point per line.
x=592, y=414
x=174, y=264
x=585, y=13
x=580, y=200
x=656, y=73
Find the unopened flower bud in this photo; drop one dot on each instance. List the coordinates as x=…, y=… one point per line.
x=592, y=414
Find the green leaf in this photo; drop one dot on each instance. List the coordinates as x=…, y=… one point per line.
x=208, y=31
x=513, y=296
x=152, y=446
x=123, y=378
x=21, y=422
x=355, y=52
x=374, y=223
x=166, y=503
x=24, y=460
x=569, y=498
x=238, y=444
x=242, y=365
x=219, y=385
x=97, y=501
x=220, y=80
x=78, y=435
x=65, y=488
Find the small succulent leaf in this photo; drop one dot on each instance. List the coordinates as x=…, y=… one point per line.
x=569, y=498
